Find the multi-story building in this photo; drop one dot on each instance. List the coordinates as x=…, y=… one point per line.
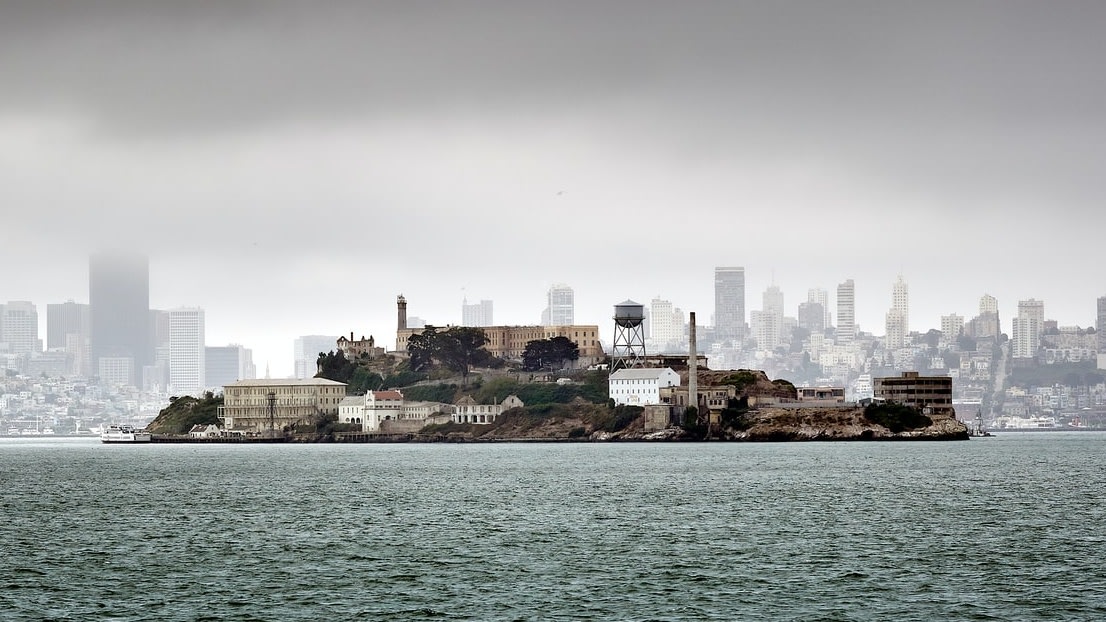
x=187, y=359
x=255, y=406
x=768, y=323
x=729, y=303
x=560, y=309
x=1026, y=334
x=931, y=394
x=895, y=327
x=19, y=327
x=67, y=330
x=846, y=312
x=306, y=351
x=666, y=325
x=641, y=386
x=228, y=364
x=900, y=302
x=509, y=342
x=812, y=317
x=1100, y=326
x=952, y=326
x=819, y=296
x=476, y=314
x=119, y=304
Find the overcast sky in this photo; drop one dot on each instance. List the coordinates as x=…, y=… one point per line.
x=292, y=167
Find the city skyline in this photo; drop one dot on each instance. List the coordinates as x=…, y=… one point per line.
x=624, y=149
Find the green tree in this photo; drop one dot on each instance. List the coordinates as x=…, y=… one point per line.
x=549, y=353
x=457, y=348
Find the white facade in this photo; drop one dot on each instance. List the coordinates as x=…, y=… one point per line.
x=900, y=302
x=952, y=326
x=819, y=296
x=767, y=325
x=895, y=326
x=560, y=309
x=666, y=325
x=19, y=327
x=1026, y=333
x=846, y=312
x=641, y=387
x=187, y=370
x=476, y=314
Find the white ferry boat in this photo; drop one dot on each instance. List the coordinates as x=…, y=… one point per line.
x=124, y=434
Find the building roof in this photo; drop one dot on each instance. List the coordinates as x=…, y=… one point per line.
x=387, y=395
x=285, y=382
x=641, y=373
x=352, y=400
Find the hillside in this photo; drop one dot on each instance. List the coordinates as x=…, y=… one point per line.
x=184, y=412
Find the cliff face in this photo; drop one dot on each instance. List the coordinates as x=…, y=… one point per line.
x=817, y=424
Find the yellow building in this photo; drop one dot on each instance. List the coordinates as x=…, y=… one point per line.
x=246, y=403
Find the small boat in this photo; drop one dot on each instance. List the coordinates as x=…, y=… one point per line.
x=978, y=430
x=124, y=434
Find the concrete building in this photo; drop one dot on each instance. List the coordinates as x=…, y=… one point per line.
x=67, y=329
x=468, y=411
x=666, y=324
x=729, y=303
x=560, y=309
x=246, y=404
x=509, y=342
x=228, y=364
x=306, y=350
x=812, y=317
x=357, y=349
x=187, y=358
x=952, y=326
x=641, y=386
x=476, y=314
x=767, y=325
x=817, y=295
x=931, y=394
x=19, y=328
x=895, y=330
x=900, y=302
x=1027, y=328
x=846, y=312
x=119, y=304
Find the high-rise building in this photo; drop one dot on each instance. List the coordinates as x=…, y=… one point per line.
x=119, y=305
x=187, y=358
x=987, y=323
x=987, y=304
x=900, y=302
x=306, y=351
x=768, y=323
x=952, y=326
x=560, y=309
x=1026, y=334
x=729, y=303
x=1100, y=327
x=64, y=319
x=819, y=295
x=812, y=317
x=225, y=365
x=666, y=326
x=19, y=327
x=476, y=314
x=846, y=312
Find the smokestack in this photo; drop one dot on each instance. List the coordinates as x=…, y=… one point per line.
x=692, y=366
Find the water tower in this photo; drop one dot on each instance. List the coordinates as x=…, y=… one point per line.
x=629, y=336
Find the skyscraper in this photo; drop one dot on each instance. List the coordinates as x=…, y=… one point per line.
x=846, y=312
x=561, y=306
x=187, y=358
x=1026, y=333
x=900, y=302
x=476, y=314
x=1101, y=325
x=952, y=326
x=666, y=325
x=768, y=324
x=226, y=364
x=19, y=327
x=119, y=305
x=819, y=296
x=306, y=352
x=729, y=303
x=64, y=319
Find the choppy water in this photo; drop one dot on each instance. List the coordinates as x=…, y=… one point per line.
x=1006, y=528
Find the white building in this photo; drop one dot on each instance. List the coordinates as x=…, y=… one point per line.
x=666, y=325
x=952, y=326
x=476, y=314
x=19, y=327
x=640, y=387
x=468, y=411
x=560, y=309
x=846, y=312
x=1026, y=333
x=187, y=357
x=306, y=352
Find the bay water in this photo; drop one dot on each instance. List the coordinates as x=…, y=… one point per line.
x=1004, y=528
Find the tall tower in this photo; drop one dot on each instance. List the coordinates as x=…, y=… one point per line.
x=119, y=306
x=900, y=301
x=560, y=309
x=401, y=308
x=769, y=322
x=476, y=314
x=19, y=327
x=629, y=336
x=729, y=303
x=818, y=295
x=187, y=356
x=1101, y=325
x=1027, y=328
x=846, y=312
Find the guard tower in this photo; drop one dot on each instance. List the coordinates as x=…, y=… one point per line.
x=629, y=336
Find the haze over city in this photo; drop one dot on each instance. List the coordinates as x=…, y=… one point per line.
x=292, y=168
